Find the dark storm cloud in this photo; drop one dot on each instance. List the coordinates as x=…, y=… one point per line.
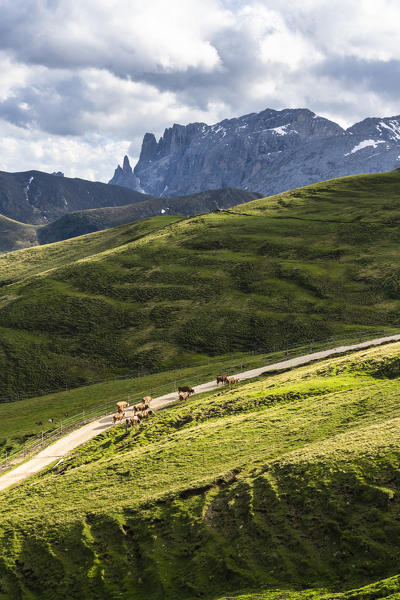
x=382, y=77
x=55, y=107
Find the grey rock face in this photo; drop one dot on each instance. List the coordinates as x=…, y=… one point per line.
x=266, y=152
x=124, y=177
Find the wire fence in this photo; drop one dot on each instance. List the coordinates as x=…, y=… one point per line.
x=16, y=396
x=71, y=423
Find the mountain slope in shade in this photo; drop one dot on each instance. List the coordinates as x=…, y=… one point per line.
x=87, y=221
x=38, y=198
x=266, y=152
x=15, y=235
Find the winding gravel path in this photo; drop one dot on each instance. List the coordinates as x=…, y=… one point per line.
x=64, y=445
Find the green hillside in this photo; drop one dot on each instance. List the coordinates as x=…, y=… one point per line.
x=15, y=235
x=285, y=488
x=307, y=264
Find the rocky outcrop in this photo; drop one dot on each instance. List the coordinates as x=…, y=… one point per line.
x=266, y=152
x=124, y=176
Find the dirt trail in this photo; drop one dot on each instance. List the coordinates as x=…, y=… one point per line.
x=64, y=445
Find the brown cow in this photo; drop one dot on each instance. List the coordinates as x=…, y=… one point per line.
x=121, y=406
x=134, y=420
x=118, y=417
x=140, y=407
x=147, y=413
x=186, y=388
x=183, y=395
x=232, y=381
x=147, y=400
x=222, y=379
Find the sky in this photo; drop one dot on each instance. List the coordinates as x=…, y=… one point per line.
x=82, y=82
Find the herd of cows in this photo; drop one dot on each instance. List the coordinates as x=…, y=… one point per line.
x=142, y=410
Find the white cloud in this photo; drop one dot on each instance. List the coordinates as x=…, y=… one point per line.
x=122, y=35
x=86, y=157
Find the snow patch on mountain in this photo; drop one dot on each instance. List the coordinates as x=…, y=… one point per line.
x=394, y=128
x=282, y=130
x=365, y=144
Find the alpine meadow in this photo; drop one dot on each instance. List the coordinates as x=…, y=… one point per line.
x=199, y=300
x=171, y=292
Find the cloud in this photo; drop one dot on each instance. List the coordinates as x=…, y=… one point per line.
x=123, y=36
x=82, y=82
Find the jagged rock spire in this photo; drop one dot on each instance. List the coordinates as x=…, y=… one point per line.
x=126, y=167
x=125, y=177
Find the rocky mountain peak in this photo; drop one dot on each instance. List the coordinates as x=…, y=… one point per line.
x=124, y=176
x=387, y=128
x=266, y=152
x=149, y=146
x=126, y=167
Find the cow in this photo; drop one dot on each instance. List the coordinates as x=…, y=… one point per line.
x=232, y=381
x=147, y=400
x=121, y=406
x=118, y=417
x=186, y=388
x=134, y=420
x=39, y=423
x=222, y=379
x=183, y=395
x=65, y=414
x=140, y=407
x=147, y=413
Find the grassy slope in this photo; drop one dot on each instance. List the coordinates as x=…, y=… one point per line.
x=15, y=235
x=286, y=483
x=301, y=265
x=20, y=420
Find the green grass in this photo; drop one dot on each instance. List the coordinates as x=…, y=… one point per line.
x=19, y=420
x=387, y=589
x=306, y=264
x=284, y=487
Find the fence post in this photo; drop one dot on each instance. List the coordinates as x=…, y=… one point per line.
x=6, y=457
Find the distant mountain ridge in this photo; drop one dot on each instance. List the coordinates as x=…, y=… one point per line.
x=267, y=152
x=15, y=235
x=38, y=198
x=88, y=221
